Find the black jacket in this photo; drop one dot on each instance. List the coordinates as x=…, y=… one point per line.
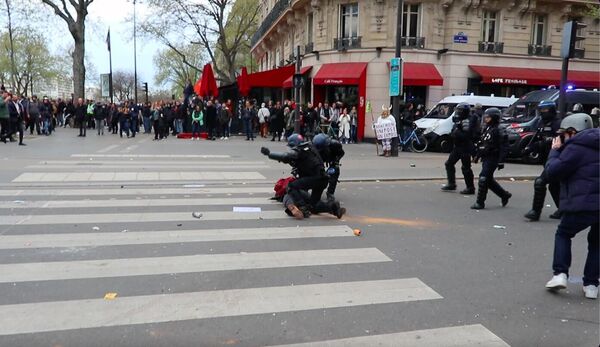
x=305, y=160
x=493, y=144
x=333, y=153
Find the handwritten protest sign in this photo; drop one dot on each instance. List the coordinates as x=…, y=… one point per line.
x=385, y=131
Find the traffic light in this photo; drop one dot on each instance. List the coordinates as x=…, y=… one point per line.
x=145, y=87
x=572, y=33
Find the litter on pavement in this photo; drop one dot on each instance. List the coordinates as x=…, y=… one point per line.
x=196, y=214
x=110, y=296
x=246, y=209
x=499, y=227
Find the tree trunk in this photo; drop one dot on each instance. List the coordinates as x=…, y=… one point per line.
x=79, y=60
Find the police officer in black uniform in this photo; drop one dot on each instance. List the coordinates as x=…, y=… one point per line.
x=463, y=133
x=331, y=151
x=310, y=171
x=491, y=149
x=541, y=143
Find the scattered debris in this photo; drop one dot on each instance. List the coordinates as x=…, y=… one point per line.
x=124, y=230
x=179, y=224
x=196, y=214
x=413, y=165
x=121, y=187
x=512, y=179
x=110, y=296
x=357, y=232
x=18, y=202
x=548, y=205
x=246, y=209
x=96, y=228
x=499, y=227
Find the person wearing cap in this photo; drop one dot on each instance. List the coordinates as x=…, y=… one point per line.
x=575, y=161
x=309, y=168
x=595, y=114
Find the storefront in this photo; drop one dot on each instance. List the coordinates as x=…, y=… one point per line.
x=305, y=91
x=343, y=82
x=508, y=81
x=417, y=78
x=268, y=85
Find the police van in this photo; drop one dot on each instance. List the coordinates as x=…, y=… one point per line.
x=437, y=124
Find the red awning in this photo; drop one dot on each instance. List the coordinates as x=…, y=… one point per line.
x=421, y=74
x=288, y=82
x=270, y=78
x=535, y=77
x=339, y=74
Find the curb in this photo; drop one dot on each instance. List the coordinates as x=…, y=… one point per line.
x=413, y=179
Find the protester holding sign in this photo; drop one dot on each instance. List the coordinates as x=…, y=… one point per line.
x=385, y=129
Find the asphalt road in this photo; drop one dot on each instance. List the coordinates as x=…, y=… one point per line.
x=98, y=247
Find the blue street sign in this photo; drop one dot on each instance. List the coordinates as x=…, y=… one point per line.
x=396, y=69
x=461, y=38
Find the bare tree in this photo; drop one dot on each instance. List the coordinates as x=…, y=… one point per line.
x=208, y=23
x=74, y=14
x=123, y=85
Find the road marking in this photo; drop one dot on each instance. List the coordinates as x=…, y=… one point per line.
x=204, y=156
x=97, y=218
x=169, y=236
x=66, y=270
x=460, y=336
x=178, y=163
x=135, y=203
x=107, y=149
x=129, y=149
x=136, y=191
x=138, y=176
x=94, y=313
x=129, y=166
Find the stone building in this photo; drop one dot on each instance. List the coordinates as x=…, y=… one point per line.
x=448, y=46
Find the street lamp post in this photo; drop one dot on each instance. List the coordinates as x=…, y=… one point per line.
x=135, y=56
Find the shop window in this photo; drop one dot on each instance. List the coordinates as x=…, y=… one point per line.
x=309, y=28
x=411, y=21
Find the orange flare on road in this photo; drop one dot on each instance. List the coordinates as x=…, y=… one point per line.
x=395, y=221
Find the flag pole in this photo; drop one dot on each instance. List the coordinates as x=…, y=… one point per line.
x=110, y=75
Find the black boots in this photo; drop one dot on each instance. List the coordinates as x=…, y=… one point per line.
x=468, y=175
x=451, y=185
x=539, y=196
x=484, y=184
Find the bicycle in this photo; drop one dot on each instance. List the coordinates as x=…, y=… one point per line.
x=418, y=142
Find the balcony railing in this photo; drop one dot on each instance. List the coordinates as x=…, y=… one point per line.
x=413, y=42
x=345, y=43
x=491, y=47
x=579, y=53
x=309, y=48
x=540, y=50
x=280, y=7
x=281, y=63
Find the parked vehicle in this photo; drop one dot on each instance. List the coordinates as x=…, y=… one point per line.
x=522, y=121
x=437, y=124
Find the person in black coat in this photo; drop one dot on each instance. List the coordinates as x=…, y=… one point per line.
x=492, y=150
x=80, y=116
x=210, y=114
x=277, y=121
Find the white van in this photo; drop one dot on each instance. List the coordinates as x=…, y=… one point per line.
x=437, y=124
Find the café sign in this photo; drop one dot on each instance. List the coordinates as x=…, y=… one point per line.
x=501, y=80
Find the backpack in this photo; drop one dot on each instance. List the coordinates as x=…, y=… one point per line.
x=281, y=187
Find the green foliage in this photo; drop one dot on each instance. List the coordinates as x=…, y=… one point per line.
x=174, y=71
x=33, y=60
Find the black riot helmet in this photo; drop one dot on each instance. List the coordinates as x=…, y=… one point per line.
x=295, y=140
x=494, y=113
x=321, y=141
x=463, y=110
x=547, y=110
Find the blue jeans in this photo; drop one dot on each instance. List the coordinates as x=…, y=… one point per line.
x=147, y=125
x=248, y=129
x=179, y=126
x=195, y=129
x=571, y=224
x=353, y=135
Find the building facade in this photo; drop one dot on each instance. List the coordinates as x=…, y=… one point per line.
x=448, y=46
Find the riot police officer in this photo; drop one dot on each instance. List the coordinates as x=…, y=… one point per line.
x=463, y=133
x=541, y=144
x=310, y=171
x=491, y=149
x=331, y=151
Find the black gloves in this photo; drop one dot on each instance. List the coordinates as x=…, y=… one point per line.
x=500, y=166
x=265, y=151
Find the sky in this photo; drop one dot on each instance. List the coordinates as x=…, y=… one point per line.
x=116, y=14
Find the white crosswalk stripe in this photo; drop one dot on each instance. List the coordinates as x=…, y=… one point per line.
x=460, y=336
x=135, y=176
x=79, y=314
x=132, y=191
x=169, y=236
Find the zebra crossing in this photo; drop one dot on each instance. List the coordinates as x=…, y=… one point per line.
x=124, y=240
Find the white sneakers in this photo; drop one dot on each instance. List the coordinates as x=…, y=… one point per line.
x=560, y=282
x=557, y=282
x=591, y=291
